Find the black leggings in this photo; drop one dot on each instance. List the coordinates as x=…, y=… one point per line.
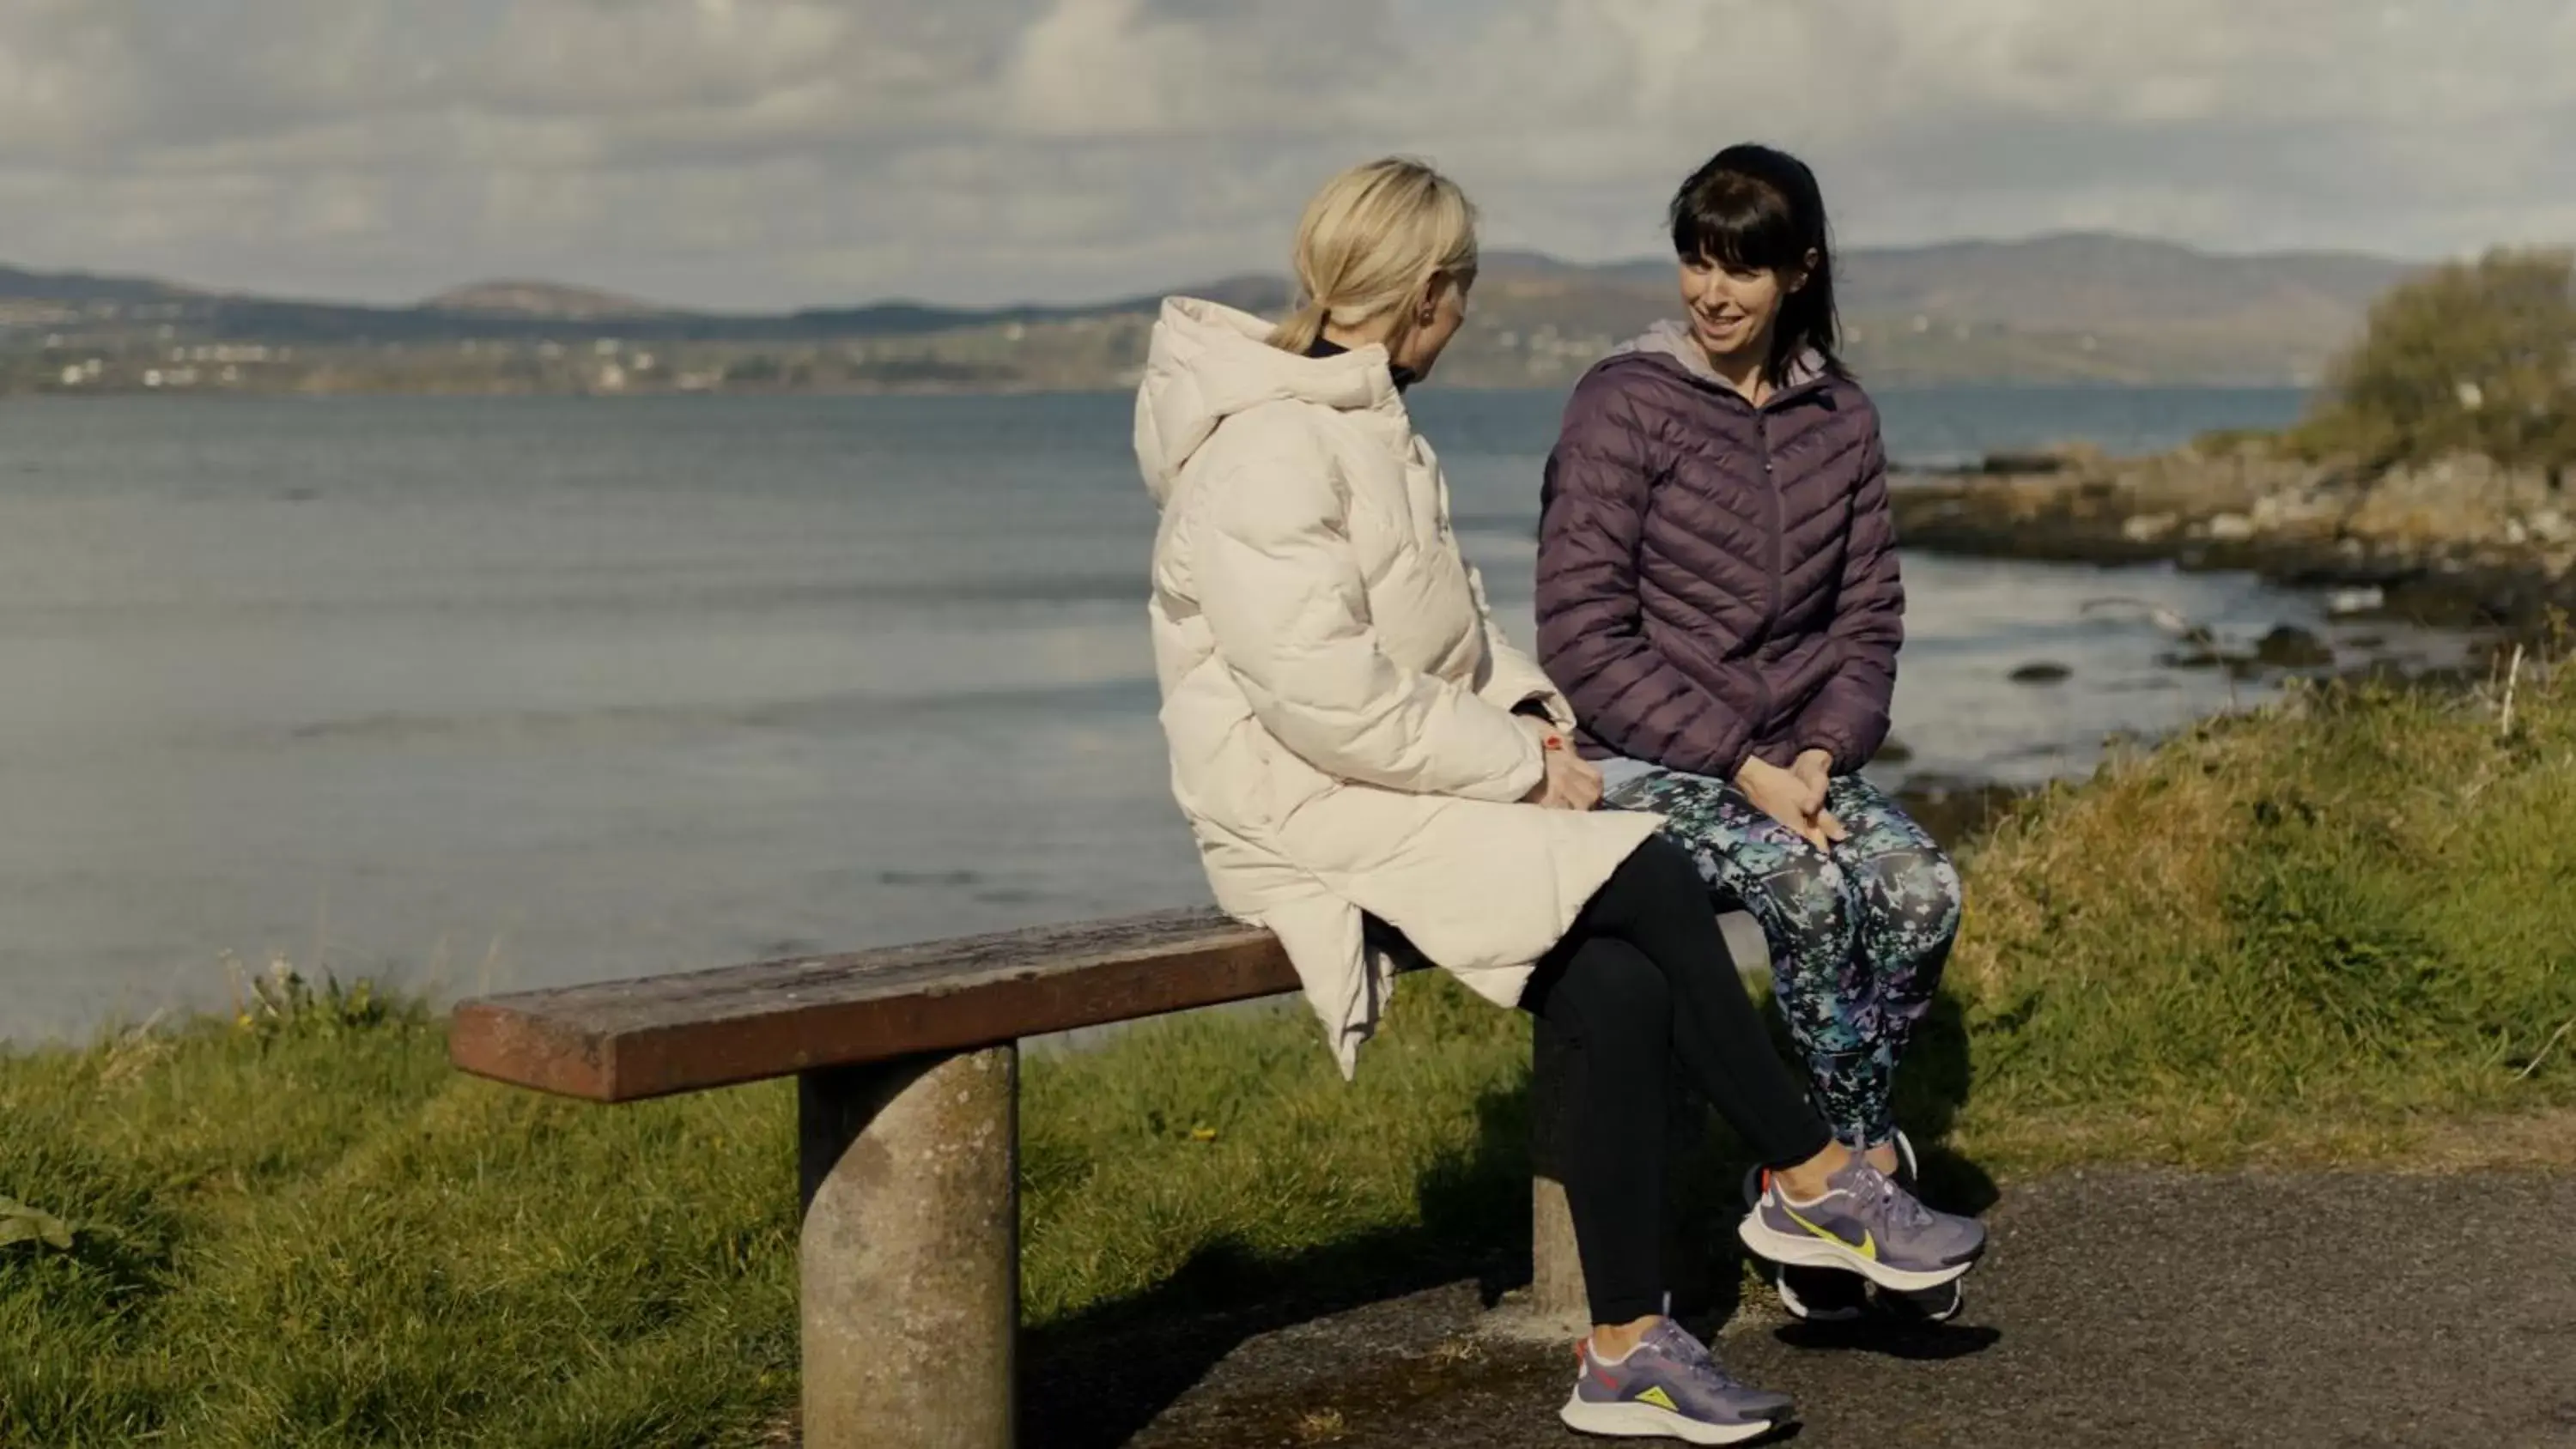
x=1642, y=980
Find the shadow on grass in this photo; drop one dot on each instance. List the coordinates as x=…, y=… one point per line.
x=1931, y=1090
x=1093, y=1381
x=1097, y=1379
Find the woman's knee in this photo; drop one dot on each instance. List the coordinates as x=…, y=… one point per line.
x=1613, y=997
x=1916, y=890
x=1663, y=867
x=1619, y=977
x=1810, y=897
x=1656, y=881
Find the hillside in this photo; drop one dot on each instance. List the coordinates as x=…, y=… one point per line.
x=34, y=301
x=2077, y=307
x=2092, y=280
x=542, y=300
x=82, y=287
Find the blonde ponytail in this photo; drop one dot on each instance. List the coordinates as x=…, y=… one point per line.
x=1373, y=241
x=1298, y=333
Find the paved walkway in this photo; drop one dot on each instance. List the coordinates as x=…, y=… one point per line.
x=2115, y=1309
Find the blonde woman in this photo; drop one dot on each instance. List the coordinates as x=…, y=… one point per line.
x=1369, y=767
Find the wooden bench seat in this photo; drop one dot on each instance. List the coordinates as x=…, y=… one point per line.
x=623, y=1041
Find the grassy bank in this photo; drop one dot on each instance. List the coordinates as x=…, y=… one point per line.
x=2340, y=931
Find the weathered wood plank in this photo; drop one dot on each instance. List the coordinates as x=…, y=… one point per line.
x=626, y=1040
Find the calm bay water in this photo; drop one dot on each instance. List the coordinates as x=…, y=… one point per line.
x=535, y=691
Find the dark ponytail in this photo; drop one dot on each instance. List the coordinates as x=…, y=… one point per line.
x=1758, y=208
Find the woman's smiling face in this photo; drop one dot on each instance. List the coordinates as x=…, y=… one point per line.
x=1733, y=309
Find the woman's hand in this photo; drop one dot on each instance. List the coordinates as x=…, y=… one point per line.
x=1791, y=798
x=1816, y=767
x=1571, y=781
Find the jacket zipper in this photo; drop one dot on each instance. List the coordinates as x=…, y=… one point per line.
x=1761, y=414
x=1779, y=521
x=1779, y=518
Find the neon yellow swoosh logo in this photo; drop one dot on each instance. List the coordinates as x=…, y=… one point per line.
x=1657, y=1397
x=1867, y=1247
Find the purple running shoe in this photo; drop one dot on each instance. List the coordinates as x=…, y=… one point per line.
x=1864, y=1223
x=1669, y=1387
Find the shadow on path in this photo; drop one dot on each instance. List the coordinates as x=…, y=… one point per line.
x=1094, y=1381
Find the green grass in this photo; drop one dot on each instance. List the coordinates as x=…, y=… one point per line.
x=2319, y=935
x=304, y=1229
x=2339, y=932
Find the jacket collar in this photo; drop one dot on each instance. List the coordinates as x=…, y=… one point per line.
x=1669, y=342
x=1322, y=346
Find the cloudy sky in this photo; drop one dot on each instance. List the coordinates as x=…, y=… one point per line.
x=758, y=153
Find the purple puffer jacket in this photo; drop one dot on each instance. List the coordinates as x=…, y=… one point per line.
x=1715, y=580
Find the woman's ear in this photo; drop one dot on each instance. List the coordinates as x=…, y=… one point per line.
x=1426, y=309
x=1806, y=269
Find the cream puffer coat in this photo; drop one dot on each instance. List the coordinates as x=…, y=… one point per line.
x=1338, y=700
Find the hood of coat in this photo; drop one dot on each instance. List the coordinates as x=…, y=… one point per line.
x=1208, y=362
x=1671, y=341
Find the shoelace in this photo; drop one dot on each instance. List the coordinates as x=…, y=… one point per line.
x=1895, y=1206
x=1679, y=1345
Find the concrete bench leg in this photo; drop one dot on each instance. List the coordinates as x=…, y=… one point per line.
x=1556, y=1267
x=910, y=1260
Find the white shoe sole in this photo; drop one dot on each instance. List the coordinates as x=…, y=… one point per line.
x=1919, y=1314
x=1799, y=1309
x=1814, y=1252
x=1644, y=1421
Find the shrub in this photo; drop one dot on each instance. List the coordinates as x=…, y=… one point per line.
x=2467, y=358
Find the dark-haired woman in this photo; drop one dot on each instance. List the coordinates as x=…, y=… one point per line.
x=1718, y=597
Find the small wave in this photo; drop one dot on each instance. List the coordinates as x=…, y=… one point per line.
x=1518, y=524
x=403, y=729
x=953, y=879
x=1118, y=696
x=627, y=594
x=821, y=714
x=1103, y=588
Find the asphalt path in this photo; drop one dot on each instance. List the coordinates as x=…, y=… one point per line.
x=2115, y=1308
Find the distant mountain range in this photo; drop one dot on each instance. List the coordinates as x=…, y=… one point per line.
x=2056, y=308
x=543, y=299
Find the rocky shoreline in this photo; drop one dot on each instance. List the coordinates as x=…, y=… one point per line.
x=2461, y=545
x=2458, y=544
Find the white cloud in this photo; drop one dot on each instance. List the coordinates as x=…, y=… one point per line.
x=766, y=152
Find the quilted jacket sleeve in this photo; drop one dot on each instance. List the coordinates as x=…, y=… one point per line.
x=1283, y=596
x=1848, y=716
x=1591, y=621
x=1509, y=678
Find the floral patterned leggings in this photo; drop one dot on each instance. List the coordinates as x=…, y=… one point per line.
x=1858, y=934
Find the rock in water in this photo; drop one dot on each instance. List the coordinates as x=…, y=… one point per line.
x=2042, y=672
x=2290, y=647
x=2150, y=527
